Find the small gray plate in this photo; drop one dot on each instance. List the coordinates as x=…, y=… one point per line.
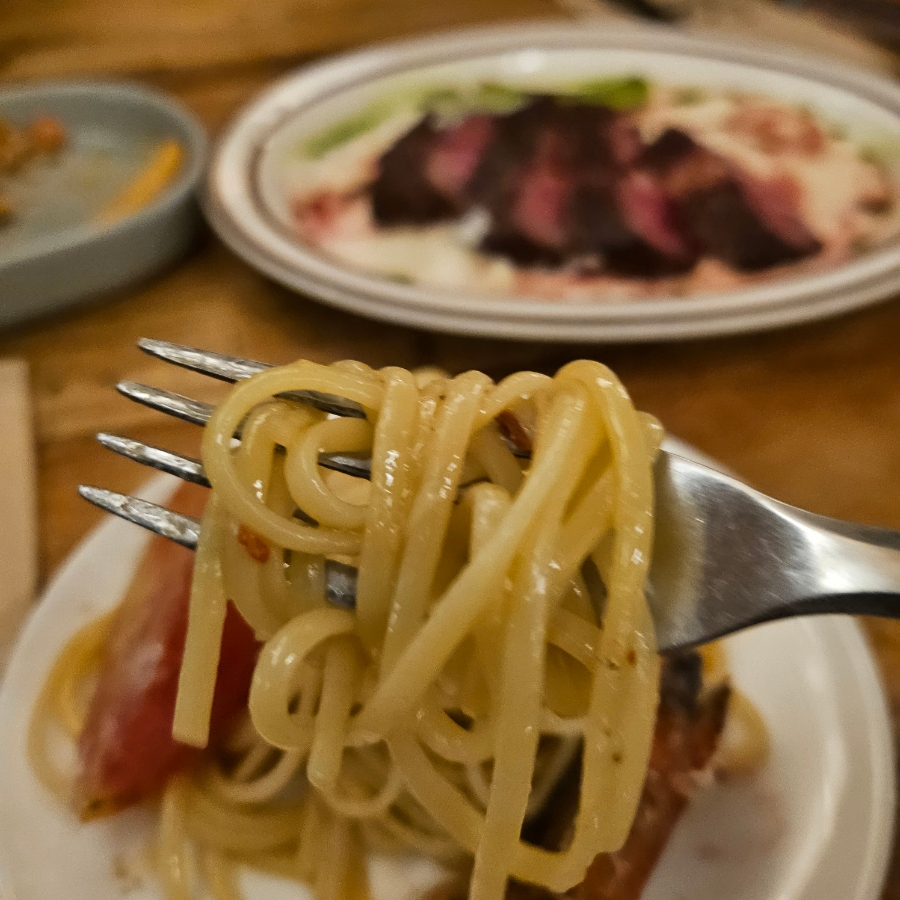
x=54, y=253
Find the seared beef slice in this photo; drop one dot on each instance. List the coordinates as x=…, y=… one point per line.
x=523, y=183
x=566, y=183
x=551, y=181
x=732, y=217
x=422, y=178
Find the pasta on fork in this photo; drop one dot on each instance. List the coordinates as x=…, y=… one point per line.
x=500, y=644
x=457, y=603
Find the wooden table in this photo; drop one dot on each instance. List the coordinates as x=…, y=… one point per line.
x=810, y=415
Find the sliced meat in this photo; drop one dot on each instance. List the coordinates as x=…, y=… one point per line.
x=423, y=177
x=669, y=150
x=652, y=214
x=126, y=752
x=625, y=141
x=518, y=137
x=625, y=234
x=569, y=184
x=528, y=200
x=540, y=207
x=536, y=166
x=550, y=182
x=682, y=166
x=402, y=193
x=456, y=154
x=748, y=224
x=523, y=182
x=726, y=226
x=777, y=202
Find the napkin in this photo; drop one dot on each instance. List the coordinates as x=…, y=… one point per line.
x=18, y=502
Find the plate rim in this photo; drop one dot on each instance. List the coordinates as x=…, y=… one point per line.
x=227, y=194
x=884, y=781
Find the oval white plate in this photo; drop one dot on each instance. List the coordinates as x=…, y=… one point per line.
x=239, y=203
x=815, y=825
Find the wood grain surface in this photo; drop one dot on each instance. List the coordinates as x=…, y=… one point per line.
x=810, y=415
x=18, y=503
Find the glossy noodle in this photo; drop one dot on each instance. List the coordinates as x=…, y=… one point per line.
x=501, y=629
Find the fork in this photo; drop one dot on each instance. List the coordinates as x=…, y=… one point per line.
x=726, y=557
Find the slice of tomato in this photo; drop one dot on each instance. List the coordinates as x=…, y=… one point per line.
x=126, y=752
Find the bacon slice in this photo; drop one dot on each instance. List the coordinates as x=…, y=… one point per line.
x=126, y=752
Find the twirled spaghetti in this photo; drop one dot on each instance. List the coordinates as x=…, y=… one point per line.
x=419, y=716
x=437, y=714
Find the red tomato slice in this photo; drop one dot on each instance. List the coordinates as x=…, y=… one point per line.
x=126, y=752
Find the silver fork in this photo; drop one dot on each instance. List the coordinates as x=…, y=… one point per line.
x=726, y=557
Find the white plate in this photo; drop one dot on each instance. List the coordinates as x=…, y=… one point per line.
x=816, y=825
x=238, y=203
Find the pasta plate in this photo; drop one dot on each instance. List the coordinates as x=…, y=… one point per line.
x=814, y=825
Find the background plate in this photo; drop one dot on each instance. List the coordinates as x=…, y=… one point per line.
x=243, y=207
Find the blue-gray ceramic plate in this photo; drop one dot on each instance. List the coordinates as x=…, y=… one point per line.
x=55, y=251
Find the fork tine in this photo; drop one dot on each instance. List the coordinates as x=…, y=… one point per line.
x=356, y=466
x=189, y=469
x=340, y=584
x=216, y=365
x=340, y=579
x=178, y=528
x=184, y=467
x=233, y=368
x=194, y=411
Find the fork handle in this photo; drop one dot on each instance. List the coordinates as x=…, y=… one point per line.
x=850, y=568
x=727, y=557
